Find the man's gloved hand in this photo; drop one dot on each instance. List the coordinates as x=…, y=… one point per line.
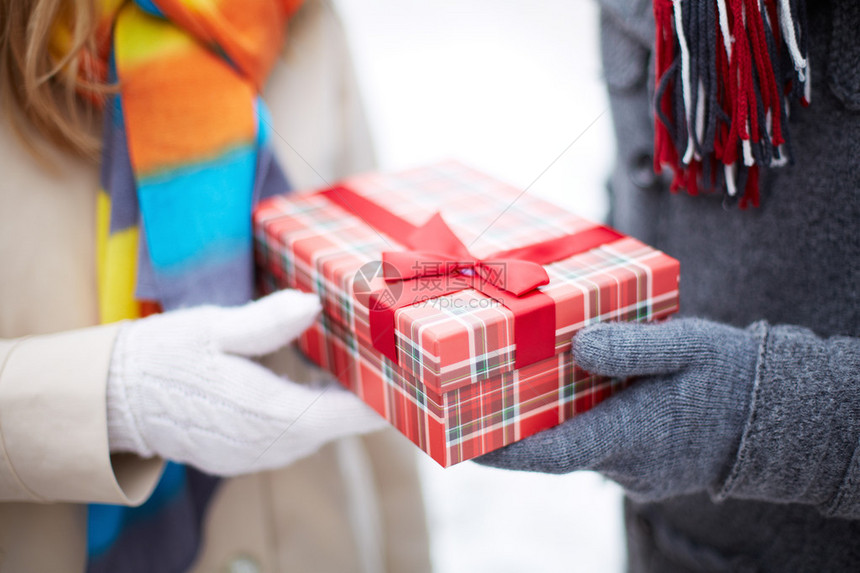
x=674, y=431
x=182, y=386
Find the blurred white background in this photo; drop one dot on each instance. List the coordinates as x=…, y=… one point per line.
x=510, y=87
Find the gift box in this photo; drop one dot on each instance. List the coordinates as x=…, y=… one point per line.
x=450, y=299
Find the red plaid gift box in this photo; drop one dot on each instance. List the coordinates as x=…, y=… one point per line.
x=451, y=379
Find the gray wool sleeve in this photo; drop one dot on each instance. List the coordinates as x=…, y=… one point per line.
x=801, y=441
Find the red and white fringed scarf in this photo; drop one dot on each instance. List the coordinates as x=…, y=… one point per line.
x=725, y=72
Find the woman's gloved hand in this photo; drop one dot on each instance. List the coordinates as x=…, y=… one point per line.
x=674, y=431
x=182, y=386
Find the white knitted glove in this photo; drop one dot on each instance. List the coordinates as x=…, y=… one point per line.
x=181, y=387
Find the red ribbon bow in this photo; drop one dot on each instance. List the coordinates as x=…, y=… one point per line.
x=445, y=254
x=511, y=277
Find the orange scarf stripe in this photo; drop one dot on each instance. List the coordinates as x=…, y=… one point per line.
x=249, y=33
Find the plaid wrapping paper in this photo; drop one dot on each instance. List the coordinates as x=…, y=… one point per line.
x=456, y=340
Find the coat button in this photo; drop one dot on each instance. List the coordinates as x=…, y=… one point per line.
x=640, y=170
x=243, y=564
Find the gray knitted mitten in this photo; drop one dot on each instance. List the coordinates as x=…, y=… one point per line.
x=676, y=430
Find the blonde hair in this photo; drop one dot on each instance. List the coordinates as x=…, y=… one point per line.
x=39, y=88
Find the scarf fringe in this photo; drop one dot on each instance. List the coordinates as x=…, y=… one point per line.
x=726, y=73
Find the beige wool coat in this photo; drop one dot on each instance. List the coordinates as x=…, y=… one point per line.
x=353, y=506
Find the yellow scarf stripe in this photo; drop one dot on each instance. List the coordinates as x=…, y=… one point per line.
x=117, y=266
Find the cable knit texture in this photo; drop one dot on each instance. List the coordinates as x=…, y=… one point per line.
x=182, y=386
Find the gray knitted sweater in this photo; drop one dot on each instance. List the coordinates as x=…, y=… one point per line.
x=793, y=261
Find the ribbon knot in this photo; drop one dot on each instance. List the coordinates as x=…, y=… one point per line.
x=435, y=251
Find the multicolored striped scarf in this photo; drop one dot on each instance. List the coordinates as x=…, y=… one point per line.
x=184, y=151
x=727, y=71
x=186, y=156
